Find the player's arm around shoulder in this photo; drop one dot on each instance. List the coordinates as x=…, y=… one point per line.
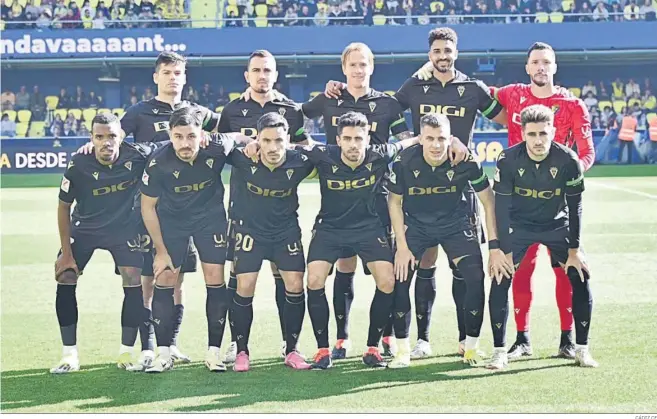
x=489, y=106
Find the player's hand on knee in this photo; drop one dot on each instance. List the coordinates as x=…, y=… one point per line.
x=161, y=263
x=65, y=262
x=457, y=151
x=425, y=72
x=403, y=258
x=576, y=260
x=86, y=149
x=334, y=89
x=499, y=266
x=252, y=150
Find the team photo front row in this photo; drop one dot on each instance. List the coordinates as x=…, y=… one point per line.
x=154, y=205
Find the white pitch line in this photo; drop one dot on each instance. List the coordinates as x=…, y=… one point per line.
x=618, y=188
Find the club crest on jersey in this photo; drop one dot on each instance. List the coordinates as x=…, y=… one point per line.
x=281, y=111
x=450, y=175
x=289, y=173
x=416, y=173
x=555, y=109
x=128, y=165
x=461, y=90
x=95, y=175
x=176, y=174
x=253, y=170
x=521, y=172
x=553, y=172
x=369, y=166
x=244, y=112
x=372, y=106
x=209, y=162
x=340, y=102
x=334, y=168
x=425, y=88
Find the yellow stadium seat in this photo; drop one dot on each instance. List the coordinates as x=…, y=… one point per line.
x=576, y=91
x=24, y=116
x=604, y=103
x=378, y=4
x=234, y=95
x=261, y=22
x=22, y=3
x=37, y=129
x=138, y=2
x=63, y=113
x=619, y=105
x=232, y=8
x=232, y=2
x=630, y=103
x=261, y=10
x=103, y=110
x=219, y=109
x=52, y=102
x=21, y=129
x=2, y=25
x=437, y=6
x=272, y=2
x=323, y=7
x=10, y=114
x=93, y=3
x=313, y=94
x=379, y=19
x=77, y=113
x=9, y=3
x=88, y=114
x=37, y=3
x=556, y=17
x=542, y=17
x=565, y=5
x=650, y=104
x=390, y=92
x=118, y=111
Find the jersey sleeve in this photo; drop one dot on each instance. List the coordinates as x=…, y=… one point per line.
x=224, y=122
x=314, y=153
x=67, y=187
x=297, y=132
x=503, y=94
x=225, y=142
x=582, y=134
x=574, y=177
x=398, y=124
x=503, y=176
x=476, y=175
x=210, y=119
x=129, y=120
x=395, y=182
x=486, y=103
x=315, y=107
x=146, y=149
x=387, y=151
x=150, y=182
x=404, y=93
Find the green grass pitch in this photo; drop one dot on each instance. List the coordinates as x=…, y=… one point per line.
x=620, y=237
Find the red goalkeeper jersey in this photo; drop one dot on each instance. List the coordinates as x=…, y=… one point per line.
x=571, y=117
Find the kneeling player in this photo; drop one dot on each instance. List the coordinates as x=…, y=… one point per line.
x=427, y=208
x=351, y=175
x=182, y=197
x=266, y=195
x=538, y=186
x=103, y=184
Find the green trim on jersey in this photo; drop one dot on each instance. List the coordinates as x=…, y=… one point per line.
x=490, y=108
x=481, y=179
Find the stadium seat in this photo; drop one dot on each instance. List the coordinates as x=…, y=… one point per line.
x=37, y=129
x=22, y=3
x=63, y=113
x=261, y=22
x=21, y=129
x=234, y=95
x=52, y=102
x=232, y=2
x=565, y=5
x=118, y=111
x=11, y=114
x=313, y=94
x=232, y=8
x=437, y=7
x=9, y=3
x=36, y=3
x=24, y=115
x=93, y=3
x=88, y=114
x=556, y=17
x=379, y=19
x=104, y=110
x=204, y=13
x=630, y=103
x=272, y=3
x=77, y=113
x=619, y=105
x=261, y=10
x=323, y=7
x=576, y=91
x=604, y=103
x=650, y=104
x=542, y=17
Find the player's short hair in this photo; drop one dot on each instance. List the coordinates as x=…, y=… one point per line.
x=167, y=58
x=104, y=118
x=443, y=34
x=434, y=120
x=539, y=46
x=272, y=120
x=351, y=119
x=262, y=53
x=357, y=46
x=536, y=114
x=186, y=116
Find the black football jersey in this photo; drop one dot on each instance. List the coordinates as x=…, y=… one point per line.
x=188, y=192
x=433, y=195
x=267, y=200
x=458, y=99
x=383, y=112
x=149, y=120
x=538, y=189
x=349, y=195
x=104, y=194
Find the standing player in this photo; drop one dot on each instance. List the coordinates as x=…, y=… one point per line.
x=242, y=115
x=350, y=176
x=538, y=199
x=266, y=195
x=149, y=121
x=182, y=197
x=103, y=185
x=427, y=209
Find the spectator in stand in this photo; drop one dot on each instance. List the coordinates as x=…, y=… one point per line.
x=192, y=95
x=631, y=88
x=590, y=100
x=499, y=9
x=321, y=18
x=603, y=94
x=57, y=126
x=222, y=97
x=37, y=104
x=513, y=10
x=32, y=9
x=83, y=131
x=648, y=11
x=44, y=20
x=94, y=101
x=70, y=119
x=86, y=6
x=648, y=100
x=617, y=89
x=87, y=19
x=99, y=20
x=600, y=13
x=7, y=127
x=589, y=87
x=307, y=17
x=207, y=96
x=148, y=95
x=631, y=11
x=596, y=124
x=275, y=16
x=69, y=131
x=607, y=115
x=103, y=9
x=70, y=21
x=8, y=100
x=22, y=99
x=80, y=99
x=334, y=14
x=585, y=12
x=147, y=6
x=130, y=19
x=64, y=99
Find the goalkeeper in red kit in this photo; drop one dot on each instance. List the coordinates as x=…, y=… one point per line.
x=573, y=129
